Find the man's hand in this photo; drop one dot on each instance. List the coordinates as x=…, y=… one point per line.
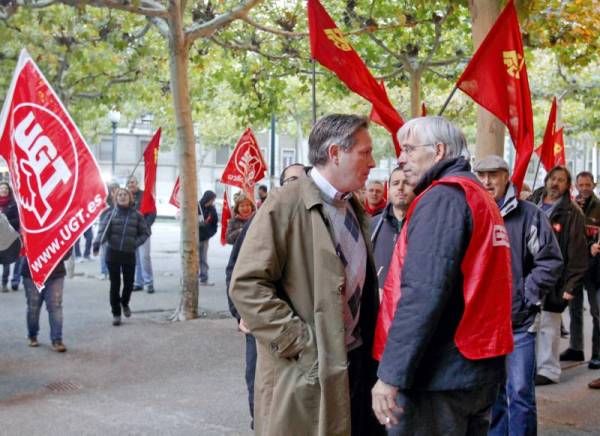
x=243, y=327
x=595, y=249
x=567, y=296
x=385, y=407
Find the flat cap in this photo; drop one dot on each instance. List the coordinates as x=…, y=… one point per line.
x=490, y=163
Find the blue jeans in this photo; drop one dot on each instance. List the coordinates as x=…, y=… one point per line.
x=88, y=235
x=514, y=412
x=103, y=264
x=203, y=253
x=16, y=275
x=52, y=294
x=143, y=265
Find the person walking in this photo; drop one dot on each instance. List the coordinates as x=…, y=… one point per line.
x=8, y=206
x=143, y=268
x=208, y=222
x=124, y=229
x=52, y=295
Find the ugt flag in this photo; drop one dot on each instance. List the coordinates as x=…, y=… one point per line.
x=246, y=165
x=331, y=49
x=56, y=180
x=552, y=149
x=225, y=217
x=148, y=202
x=496, y=78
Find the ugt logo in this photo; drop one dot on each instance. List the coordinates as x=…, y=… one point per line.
x=248, y=163
x=336, y=36
x=41, y=146
x=514, y=62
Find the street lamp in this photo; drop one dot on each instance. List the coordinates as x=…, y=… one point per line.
x=114, y=116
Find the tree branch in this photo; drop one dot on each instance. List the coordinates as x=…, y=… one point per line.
x=244, y=46
x=161, y=25
x=148, y=8
x=438, y=35
x=198, y=30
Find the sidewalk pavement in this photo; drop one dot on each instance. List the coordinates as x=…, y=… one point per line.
x=154, y=377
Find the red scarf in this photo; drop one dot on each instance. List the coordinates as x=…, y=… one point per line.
x=4, y=201
x=485, y=329
x=372, y=211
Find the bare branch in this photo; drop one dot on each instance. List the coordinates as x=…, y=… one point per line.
x=148, y=8
x=274, y=31
x=198, y=30
x=244, y=46
x=449, y=61
x=161, y=25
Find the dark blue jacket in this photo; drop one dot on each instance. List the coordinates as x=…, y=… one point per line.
x=420, y=352
x=385, y=228
x=536, y=259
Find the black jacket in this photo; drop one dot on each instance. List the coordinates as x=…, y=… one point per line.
x=568, y=224
x=591, y=210
x=537, y=262
x=149, y=217
x=385, y=228
x=420, y=352
x=124, y=228
x=208, y=226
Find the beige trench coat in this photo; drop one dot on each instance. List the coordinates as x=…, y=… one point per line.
x=287, y=286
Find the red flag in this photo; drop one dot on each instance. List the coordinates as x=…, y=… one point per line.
x=57, y=182
x=246, y=165
x=547, y=150
x=496, y=78
x=559, y=148
x=148, y=202
x=385, y=191
x=225, y=216
x=174, y=200
x=331, y=49
x=423, y=110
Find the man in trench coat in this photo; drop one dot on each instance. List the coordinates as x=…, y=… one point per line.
x=306, y=286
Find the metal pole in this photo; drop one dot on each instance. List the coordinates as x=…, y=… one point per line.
x=272, y=149
x=537, y=170
x=448, y=100
x=314, y=92
x=114, y=148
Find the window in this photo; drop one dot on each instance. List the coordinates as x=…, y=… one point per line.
x=105, y=150
x=222, y=155
x=288, y=157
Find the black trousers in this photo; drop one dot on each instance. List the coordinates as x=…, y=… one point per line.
x=362, y=375
x=115, y=269
x=447, y=413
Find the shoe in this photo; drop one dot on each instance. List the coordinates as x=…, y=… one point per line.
x=137, y=288
x=14, y=287
x=150, y=289
x=102, y=277
x=541, y=380
x=564, y=333
x=116, y=320
x=594, y=363
x=4, y=288
x=79, y=260
x=594, y=384
x=33, y=342
x=207, y=283
x=572, y=355
x=58, y=346
x=126, y=311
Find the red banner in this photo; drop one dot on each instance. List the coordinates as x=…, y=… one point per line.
x=559, y=148
x=330, y=48
x=174, y=200
x=552, y=149
x=496, y=78
x=225, y=217
x=148, y=202
x=246, y=165
x=56, y=180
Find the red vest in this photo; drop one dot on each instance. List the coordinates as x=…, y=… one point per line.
x=485, y=328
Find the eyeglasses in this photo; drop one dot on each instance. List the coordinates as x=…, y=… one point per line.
x=410, y=149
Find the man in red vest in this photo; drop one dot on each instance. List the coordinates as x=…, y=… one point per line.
x=375, y=201
x=445, y=351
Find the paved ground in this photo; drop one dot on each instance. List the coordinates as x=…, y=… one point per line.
x=154, y=377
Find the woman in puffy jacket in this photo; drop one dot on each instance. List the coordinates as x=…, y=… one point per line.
x=123, y=229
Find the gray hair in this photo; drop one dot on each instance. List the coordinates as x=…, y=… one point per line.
x=433, y=130
x=333, y=129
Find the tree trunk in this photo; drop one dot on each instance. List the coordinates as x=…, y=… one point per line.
x=490, y=130
x=186, y=147
x=415, y=93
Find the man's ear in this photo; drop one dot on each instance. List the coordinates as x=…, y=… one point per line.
x=333, y=152
x=440, y=151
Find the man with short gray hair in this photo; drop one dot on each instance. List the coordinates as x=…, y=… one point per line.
x=305, y=276
x=445, y=331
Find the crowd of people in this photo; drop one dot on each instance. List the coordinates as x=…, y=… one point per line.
x=427, y=304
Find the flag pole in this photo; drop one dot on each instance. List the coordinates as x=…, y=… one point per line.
x=448, y=100
x=537, y=170
x=314, y=91
x=135, y=168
